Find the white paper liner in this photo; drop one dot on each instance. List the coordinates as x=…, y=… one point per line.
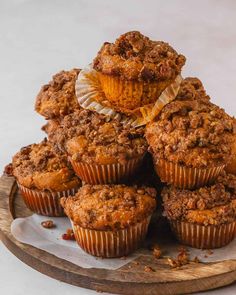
x=28, y=230
x=87, y=87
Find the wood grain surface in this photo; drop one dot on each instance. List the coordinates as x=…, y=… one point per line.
x=129, y=279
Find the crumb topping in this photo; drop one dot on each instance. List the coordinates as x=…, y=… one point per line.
x=57, y=98
x=134, y=56
x=109, y=207
x=215, y=204
x=91, y=137
x=195, y=133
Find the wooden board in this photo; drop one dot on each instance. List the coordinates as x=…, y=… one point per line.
x=129, y=279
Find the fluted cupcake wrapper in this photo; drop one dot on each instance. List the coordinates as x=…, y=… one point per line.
x=105, y=174
x=110, y=244
x=186, y=177
x=45, y=202
x=204, y=237
x=91, y=96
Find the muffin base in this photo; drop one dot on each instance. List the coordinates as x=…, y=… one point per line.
x=45, y=202
x=204, y=237
x=131, y=94
x=186, y=177
x=110, y=244
x=105, y=174
x=91, y=96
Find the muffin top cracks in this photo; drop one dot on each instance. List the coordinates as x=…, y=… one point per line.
x=134, y=56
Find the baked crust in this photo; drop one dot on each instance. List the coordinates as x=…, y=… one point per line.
x=37, y=166
x=92, y=138
x=215, y=204
x=109, y=207
x=195, y=133
x=57, y=98
x=134, y=56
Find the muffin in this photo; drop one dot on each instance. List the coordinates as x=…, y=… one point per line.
x=57, y=98
x=110, y=220
x=190, y=142
x=101, y=150
x=135, y=70
x=43, y=177
x=206, y=217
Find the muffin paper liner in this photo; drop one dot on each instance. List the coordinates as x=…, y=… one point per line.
x=45, y=202
x=110, y=244
x=105, y=174
x=204, y=237
x=91, y=96
x=186, y=177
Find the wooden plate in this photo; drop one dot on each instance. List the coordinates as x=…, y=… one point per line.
x=129, y=279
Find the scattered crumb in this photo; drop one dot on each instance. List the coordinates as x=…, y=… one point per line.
x=196, y=259
x=210, y=252
x=47, y=224
x=182, y=259
x=136, y=262
x=148, y=269
x=156, y=252
x=8, y=170
x=69, y=235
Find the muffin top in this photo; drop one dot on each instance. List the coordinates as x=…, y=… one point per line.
x=109, y=207
x=215, y=204
x=134, y=56
x=37, y=166
x=191, y=88
x=195, y=133
x=57, y=98
x=94, y=138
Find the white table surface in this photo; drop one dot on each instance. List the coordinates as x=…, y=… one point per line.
x=39, y=38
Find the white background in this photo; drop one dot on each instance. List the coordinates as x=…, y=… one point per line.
x=39, y=38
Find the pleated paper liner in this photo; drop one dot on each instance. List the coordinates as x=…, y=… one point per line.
x=204, y=237
x=186, y=177
x=105, y=174
x=45, y=202
x=91, y=96
x=129, y=95
x=111, y=244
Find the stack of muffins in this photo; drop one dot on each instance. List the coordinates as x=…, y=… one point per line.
x=101, y=123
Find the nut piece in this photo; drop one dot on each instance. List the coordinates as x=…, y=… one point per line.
x=69, y=235
x=156, y=252
x=148, y=269
x=47, y=224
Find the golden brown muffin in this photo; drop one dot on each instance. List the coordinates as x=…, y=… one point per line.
x=207, y=214
x=57, y=98
x=109, y=207
x=100, y=149
x=134, y=70
x=191, y=140
x=194, y=133
x=110, y=220
x=37, y=166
